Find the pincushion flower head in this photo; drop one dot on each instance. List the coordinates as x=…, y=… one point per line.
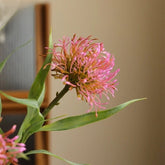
x=83, y=64
x=10, y=150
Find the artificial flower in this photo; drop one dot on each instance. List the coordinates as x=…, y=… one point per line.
x=83, y=64
x=10, y=150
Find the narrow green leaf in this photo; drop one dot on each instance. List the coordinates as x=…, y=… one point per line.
x=55, y=118
x=51, y=154
x=34, y=119
x=3, y=63
x=81, y=120
x=42, y=95
x=28, y=102
x=23, y=156
x=31, y=125
x=1, y=131
x=38, y=84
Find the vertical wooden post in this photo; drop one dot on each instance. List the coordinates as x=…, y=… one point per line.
x=42, y=35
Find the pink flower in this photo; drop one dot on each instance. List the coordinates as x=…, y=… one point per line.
x=84, y=64
x=10, y=150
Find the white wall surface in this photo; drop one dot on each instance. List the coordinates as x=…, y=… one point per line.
x=132, y=30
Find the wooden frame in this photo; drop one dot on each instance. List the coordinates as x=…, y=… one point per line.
x=42, y=27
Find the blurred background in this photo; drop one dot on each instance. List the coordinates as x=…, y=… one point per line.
x=134, y=32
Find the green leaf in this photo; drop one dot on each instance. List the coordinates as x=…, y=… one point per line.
x=23, y=156
x=30, y=125
x=1, y=131
x=28, y=102
x=38, y=84
x=34, y=119
x=55, y=118
x=42, y=95
x=81, y=120
x=51, y=154
x=3, y=63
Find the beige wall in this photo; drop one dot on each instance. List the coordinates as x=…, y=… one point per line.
x=133, y=31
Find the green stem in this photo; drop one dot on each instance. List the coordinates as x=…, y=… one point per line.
x=55, y=100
